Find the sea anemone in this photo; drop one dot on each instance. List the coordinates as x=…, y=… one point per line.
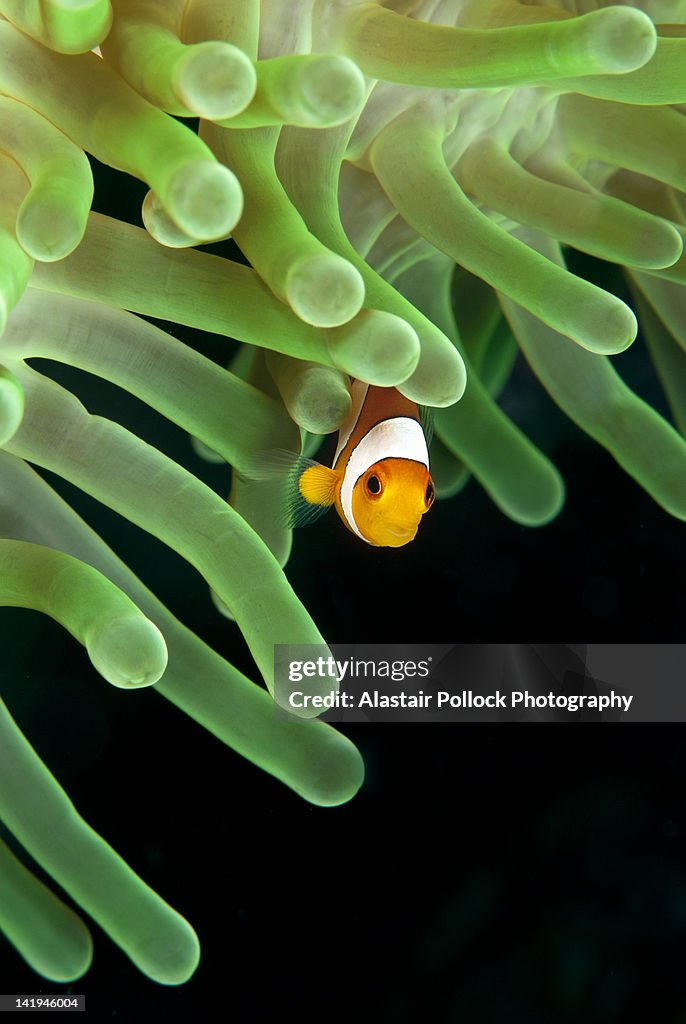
x=400, y=177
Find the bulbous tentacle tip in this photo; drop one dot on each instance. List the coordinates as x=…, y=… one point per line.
x=546, y=503
x=161, y=227
x=324, y=289
x=439, y=382
x=51, y=937
x=345, y=781
x=661, y=246
x=47, y=231
x=72, y=959
x=331, y=90
x=620, y=39
x=77, y=26
x=204, y=199
x=129, y=652
x=615, y=333
x=215, y=80
x=172, y=957
x=323, y=401
x=64, y=975
x=339, y=773
x=377, y=347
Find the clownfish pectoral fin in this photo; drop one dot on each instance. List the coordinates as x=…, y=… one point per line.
x=311, y=493
x=426, y=418
x=271, y=464
x=309, y=488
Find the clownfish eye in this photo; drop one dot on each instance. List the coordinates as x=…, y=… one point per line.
x=430, y=494
x=373, y=486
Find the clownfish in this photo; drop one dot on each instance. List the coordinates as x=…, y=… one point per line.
x=379, y=480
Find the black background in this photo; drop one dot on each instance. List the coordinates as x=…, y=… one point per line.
x=484, y=873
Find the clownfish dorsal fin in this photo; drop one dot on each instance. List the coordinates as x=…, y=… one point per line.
x=426, y=418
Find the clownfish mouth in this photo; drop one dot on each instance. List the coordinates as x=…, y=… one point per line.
x=399, y=535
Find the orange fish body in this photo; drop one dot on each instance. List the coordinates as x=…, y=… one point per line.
x=379, y=481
